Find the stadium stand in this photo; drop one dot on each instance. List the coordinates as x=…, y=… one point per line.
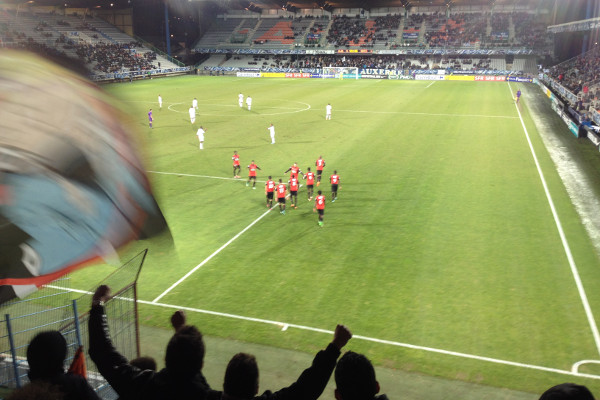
x=222, y=31
x=346, y=32
x=101, y=46
x=581, y=77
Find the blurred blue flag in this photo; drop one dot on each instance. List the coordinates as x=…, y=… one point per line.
x=72, y=185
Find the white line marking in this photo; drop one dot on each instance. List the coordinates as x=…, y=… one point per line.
x=175, y=104
x=430, y=84
x=430, y=114
x=282, y=325
x=563, y=238
x=204, y=113
x=173, y=286
x=575, y=367
x=200, y=176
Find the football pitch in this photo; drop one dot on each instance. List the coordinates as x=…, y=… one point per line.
x=453, y=249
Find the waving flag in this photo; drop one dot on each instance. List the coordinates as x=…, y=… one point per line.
x=72, y=186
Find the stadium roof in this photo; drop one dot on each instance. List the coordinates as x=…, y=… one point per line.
x=389, y=3
x=276, y=4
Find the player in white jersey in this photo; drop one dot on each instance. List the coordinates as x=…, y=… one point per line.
x=272, y=133
x=328, y=111
x=192, y=113
x=241, y=100
x=249, y=102
x=195, y=103
x=159, y=101
x=200, y=134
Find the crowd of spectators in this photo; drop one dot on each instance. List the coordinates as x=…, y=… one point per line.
x=386, y=28
x=347, y=31
x=459, y=30
x=530, y=31
x=389, y=61
x=356, y=31
x=581, y=76
x=183, y=378
x=110, y=58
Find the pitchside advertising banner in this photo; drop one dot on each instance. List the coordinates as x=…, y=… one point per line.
x=557, y=106
x=379, y=73
x=460, y=78
x=490, y=78
x=424, y=77
x=248, y=74
x=519, y=79
x=373, y=76
x=297, y=75
x=592, y=135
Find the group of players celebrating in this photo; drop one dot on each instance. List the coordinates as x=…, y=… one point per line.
x=293, y=184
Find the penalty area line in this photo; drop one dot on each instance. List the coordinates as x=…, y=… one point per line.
x=284, y=326
x=207, y=259
x=200, y=176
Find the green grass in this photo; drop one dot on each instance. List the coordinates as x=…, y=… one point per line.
x=442, y=236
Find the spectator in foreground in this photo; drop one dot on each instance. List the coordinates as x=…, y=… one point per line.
x=181, y=379
x=567, y=391
x=46, y=357
x=355, y=378
x=144, y=362
x=241, y=376
x=38, y=390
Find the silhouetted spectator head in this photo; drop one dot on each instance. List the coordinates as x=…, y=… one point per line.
x=46, y=355
x=241, y=377
x=185, y=353
x=567, y=391
x=144, y=363
x=355, y=378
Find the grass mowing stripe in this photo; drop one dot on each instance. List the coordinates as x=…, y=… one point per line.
x=284, y=326
x=563, y=239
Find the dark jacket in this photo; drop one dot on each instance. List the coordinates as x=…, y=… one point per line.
x=310, y=384
x=129, y=381
x=74, y=387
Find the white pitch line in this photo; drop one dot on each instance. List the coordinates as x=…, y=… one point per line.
x=563, y=238
x=200, y=176
x=173, y=286
x=426, y=87
x=284, y=326
x=430, y=114
x=207, y=259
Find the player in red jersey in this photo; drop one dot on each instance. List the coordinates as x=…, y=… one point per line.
x=295, y=170
x=236, y=164
x=252, y=174
x=320, y=206
x=269, y=190
x=335, y=181
x=281, y=196
x=320, y=163
x=294, y=185
x=310, y=183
